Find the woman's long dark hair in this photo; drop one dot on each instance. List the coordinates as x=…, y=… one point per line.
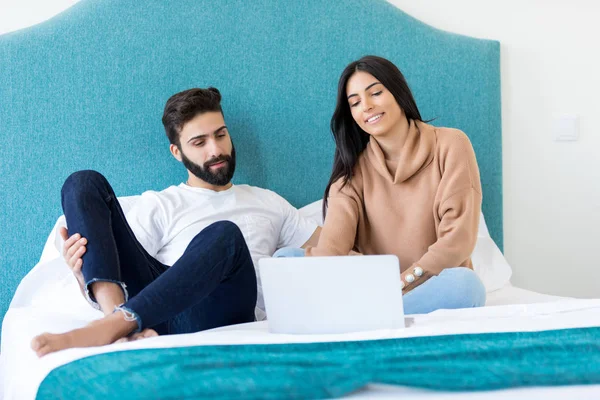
x=350, y=139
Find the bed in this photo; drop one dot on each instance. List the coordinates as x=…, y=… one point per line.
x=160, y=367
x=86, y=90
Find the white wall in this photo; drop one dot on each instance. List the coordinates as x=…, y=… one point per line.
x=550, y=64
x=549, y=68
x=17, y=14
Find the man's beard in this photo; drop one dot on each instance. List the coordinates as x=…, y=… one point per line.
x=220, y=177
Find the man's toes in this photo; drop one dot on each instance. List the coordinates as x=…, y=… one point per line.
x=42, y=344
x=139, y=336
x=36, y=344
x=148, y=333
x=39, y=341
x=43, y=351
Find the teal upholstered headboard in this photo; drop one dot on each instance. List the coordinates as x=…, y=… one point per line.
x=87, y=89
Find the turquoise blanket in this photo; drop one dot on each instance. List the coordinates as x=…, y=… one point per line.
x=471, y=362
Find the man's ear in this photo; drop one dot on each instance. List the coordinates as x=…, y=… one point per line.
x=175, y=151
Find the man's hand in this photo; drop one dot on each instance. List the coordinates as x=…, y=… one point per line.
x=73, y=250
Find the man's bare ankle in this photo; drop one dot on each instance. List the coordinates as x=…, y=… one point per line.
x=108, y=309
x=108, y=295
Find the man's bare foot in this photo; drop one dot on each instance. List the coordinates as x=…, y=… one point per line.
x=98, y=333
x=145, y=334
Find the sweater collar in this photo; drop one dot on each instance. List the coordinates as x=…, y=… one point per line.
x=416, y=154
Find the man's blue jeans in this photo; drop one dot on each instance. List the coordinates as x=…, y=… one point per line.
x=213, y=283
x=453, y=288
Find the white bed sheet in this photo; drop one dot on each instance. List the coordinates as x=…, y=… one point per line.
x=509, y=309
x=510, y=294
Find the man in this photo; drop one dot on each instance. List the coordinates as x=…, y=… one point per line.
x=183, y=259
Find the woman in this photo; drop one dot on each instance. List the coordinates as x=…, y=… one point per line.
x=401, y=186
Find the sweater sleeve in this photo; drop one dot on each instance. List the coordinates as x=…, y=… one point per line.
x=458, y=202
x=339, y=230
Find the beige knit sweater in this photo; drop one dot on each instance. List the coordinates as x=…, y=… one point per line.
x=426, y=213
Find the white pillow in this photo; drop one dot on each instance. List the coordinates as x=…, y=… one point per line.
x=488, y=261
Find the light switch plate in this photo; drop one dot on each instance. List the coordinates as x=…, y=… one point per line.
x=566, y=128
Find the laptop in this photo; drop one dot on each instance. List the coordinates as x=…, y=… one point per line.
x=330, y=295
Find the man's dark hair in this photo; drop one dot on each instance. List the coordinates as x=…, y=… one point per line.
x=184, y=106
